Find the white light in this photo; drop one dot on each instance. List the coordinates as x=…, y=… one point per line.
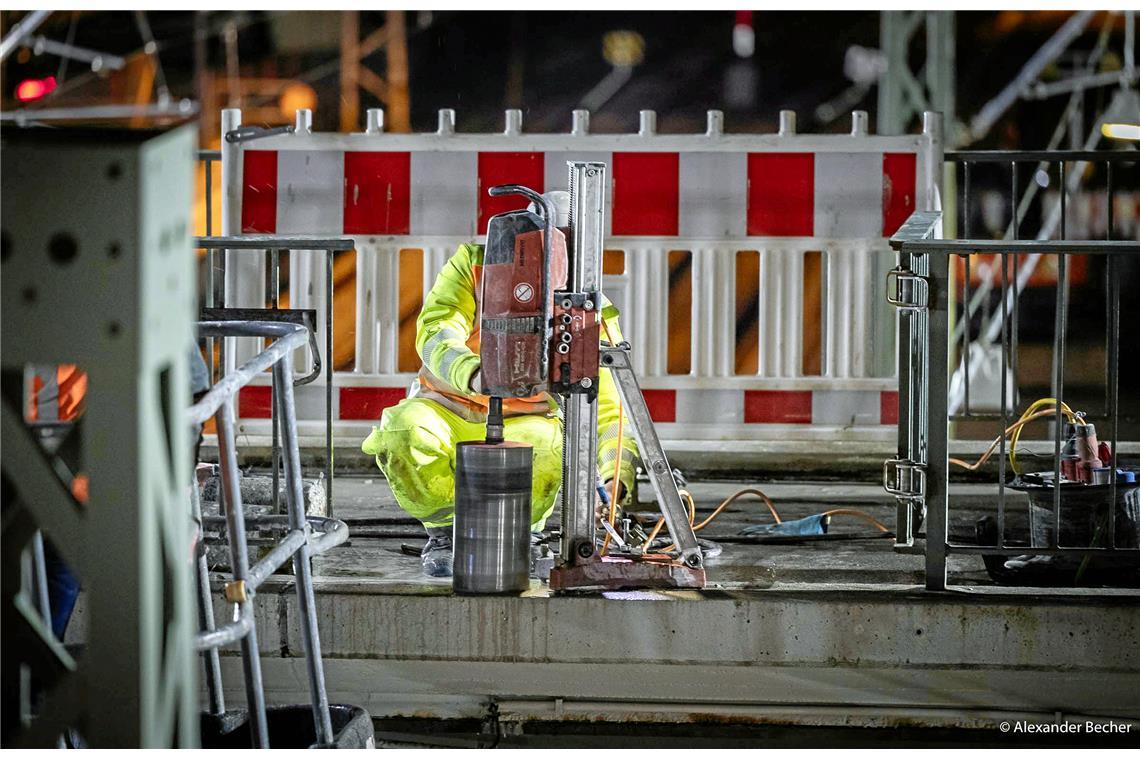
x=1121, y=120
x=1121, y=131
x=864, y=65
x=1041, y=178
x=743, y=40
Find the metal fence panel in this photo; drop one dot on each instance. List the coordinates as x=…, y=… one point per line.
x=921, y=287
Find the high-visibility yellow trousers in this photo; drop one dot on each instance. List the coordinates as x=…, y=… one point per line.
x=415, y=444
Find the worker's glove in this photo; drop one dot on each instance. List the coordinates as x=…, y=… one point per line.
x=474, y=385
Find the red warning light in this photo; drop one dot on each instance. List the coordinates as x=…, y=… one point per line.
x=34, y=89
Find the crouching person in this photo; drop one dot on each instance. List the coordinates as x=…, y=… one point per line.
x=415, y=442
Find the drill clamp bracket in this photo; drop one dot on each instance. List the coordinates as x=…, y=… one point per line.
x=575, y=336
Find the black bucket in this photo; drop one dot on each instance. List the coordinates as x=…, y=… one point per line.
x=1084, y=515
x=290, y=727
x=1084, y=524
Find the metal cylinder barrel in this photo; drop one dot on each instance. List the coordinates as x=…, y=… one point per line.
x=492, y=517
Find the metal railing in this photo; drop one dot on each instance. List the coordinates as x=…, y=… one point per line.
x=208, y=158
x=1069, y=168
x=921, y=288
x=298, y=542
x=254, y=245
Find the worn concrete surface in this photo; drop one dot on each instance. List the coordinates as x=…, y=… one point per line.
x=379, y=530
x=854, y=458
x=825, y=632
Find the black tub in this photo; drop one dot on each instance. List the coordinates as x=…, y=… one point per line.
x=290, y=727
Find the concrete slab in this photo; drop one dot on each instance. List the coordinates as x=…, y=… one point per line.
x=856, y=459
x=844, y=635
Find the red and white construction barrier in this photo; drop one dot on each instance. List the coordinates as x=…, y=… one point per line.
x=713, y=195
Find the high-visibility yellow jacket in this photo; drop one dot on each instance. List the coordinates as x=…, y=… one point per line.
x=447, y=340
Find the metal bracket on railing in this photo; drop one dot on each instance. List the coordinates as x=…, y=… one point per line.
x=904, y=479
x=236, y=592
x=245, y=134
x=907, y=290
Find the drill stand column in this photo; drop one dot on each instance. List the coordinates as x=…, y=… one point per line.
x=580, y=565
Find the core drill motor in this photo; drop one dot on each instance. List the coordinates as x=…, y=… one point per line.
x=533, y=339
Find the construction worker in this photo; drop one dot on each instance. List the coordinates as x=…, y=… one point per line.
x=415, y=442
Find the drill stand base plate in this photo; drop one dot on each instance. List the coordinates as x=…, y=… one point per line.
x=613, y=573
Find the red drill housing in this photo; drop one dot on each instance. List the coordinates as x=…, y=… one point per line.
x=523, y=263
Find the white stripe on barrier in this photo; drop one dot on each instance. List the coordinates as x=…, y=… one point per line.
x=710, y=407
x=310, y=191
x=848, y=195
x=443, y=193
x=845, y=408
x=554, y=167
x=713, y=195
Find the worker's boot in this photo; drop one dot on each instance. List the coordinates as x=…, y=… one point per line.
x=437, y=555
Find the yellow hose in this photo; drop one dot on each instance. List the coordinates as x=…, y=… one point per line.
x=1035, y=411
x=1069, y=414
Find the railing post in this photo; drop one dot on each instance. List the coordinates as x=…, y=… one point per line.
x=932, y=129
x=330, y=360
x=302, y=567
x=938, y=424
x=206, y=608
x=231, y=225
x=239, y=566
x=243, y=273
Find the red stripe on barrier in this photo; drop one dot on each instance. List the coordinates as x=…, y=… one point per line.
x=781, y=194
x=899, y=182
x=507, y=169
x=368, y=403
x=259, y=191
x=778, y=407
x=646, y=193
x=889, y=408
x=254, y=402
x=662, y=404
x=377, y=193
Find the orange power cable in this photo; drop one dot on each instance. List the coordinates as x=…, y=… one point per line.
x=617, y=452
